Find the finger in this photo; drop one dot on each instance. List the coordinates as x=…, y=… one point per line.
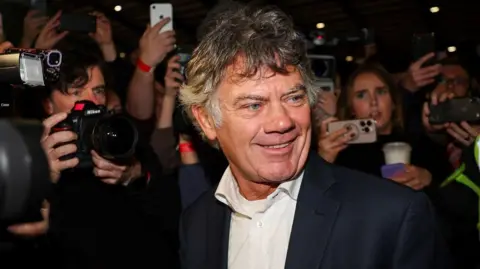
x=174, y=59
x=418, y=64
x=340, y=133
x=103, y=164
x=4, y=46
x=62, y=151
x=111, y=181
x=430, y=69
x=54, y=19
x=109, y=174
x=459, y=130
x=174, y=65
x=66, y=164
x=425, y=75
x=157, y=27
x=29, y=229
x=51, y=121
x=57, y=138
x=324, y=126
x=176, y=75
x=458, y=137
x=469, y=129
x=60, y=36
x=445, y=96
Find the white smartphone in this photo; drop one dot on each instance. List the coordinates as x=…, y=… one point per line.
x=159, y=12
x=364, y=130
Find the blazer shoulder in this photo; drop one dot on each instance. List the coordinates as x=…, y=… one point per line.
x=201, y=205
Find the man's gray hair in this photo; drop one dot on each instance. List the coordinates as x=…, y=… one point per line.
x=265, y=37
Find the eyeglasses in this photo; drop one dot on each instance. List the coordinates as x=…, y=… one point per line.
x=455, y=81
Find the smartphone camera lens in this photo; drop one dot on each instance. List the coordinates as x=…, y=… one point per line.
x=366, y=130
x=153, y=7
x=362, y=123
x=161, y=17
x=369, y=123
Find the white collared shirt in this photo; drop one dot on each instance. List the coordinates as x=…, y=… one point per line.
x=259, y=230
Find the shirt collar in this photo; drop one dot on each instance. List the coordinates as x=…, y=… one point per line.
x=228, y=193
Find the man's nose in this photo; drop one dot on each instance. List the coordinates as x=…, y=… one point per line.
x=278, y=120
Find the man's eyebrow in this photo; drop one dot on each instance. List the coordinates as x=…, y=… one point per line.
x=295, y=89
x=249, y=97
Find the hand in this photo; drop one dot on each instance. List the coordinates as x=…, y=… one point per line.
x=35, y=228
x=49, y=36
x=155, y=46
x=330, y=144
x=173, y=79
x=465, y=133
x=32, y=25
x=113, y=174
x=103, y=33
x=414, y=177
x=327, y=101
x=418, y=76
x=4, y=46
x=435, y=98
x=49, y=141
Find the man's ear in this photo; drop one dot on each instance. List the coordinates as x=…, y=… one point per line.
x=205, y=121
x=47, y=106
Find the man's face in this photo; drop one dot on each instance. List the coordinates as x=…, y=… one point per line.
x=265, y=129
x=456, y=79
x=93, y=91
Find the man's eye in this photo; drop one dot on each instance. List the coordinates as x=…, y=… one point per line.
x=297, y=98
x=253, y=107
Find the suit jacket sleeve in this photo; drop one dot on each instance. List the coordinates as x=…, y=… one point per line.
x=418, y=245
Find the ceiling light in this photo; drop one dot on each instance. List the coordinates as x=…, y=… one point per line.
x=349, y=58
x=320, y=25
x=122, y=54
x=452, y=49
x=434, y=9
x=118, y=8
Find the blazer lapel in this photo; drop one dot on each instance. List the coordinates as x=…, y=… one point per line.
x=315, y=216
x=218, y=227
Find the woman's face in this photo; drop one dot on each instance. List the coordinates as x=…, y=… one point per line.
x=370, y=98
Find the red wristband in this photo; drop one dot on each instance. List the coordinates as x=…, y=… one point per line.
x=186, y=147
x=143, y=66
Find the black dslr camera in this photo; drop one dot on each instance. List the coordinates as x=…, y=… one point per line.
x=112, y=136
x=30, y=67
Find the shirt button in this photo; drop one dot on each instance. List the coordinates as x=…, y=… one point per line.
x=259, y=224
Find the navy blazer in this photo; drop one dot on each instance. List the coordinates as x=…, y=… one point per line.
x=344, y=219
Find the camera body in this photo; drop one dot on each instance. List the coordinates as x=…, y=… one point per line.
x=51, y=61
x=113, y=137
x=30, y=67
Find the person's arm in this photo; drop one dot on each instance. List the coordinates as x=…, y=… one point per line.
x=154, y=47
x=191, y=177
x=419, y=241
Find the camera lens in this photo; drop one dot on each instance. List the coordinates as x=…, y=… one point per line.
x=54, y=59
x=115, y=138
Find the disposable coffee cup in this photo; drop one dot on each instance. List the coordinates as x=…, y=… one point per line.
x=397, y=152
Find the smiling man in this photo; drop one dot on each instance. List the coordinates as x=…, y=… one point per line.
x=250, y=89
